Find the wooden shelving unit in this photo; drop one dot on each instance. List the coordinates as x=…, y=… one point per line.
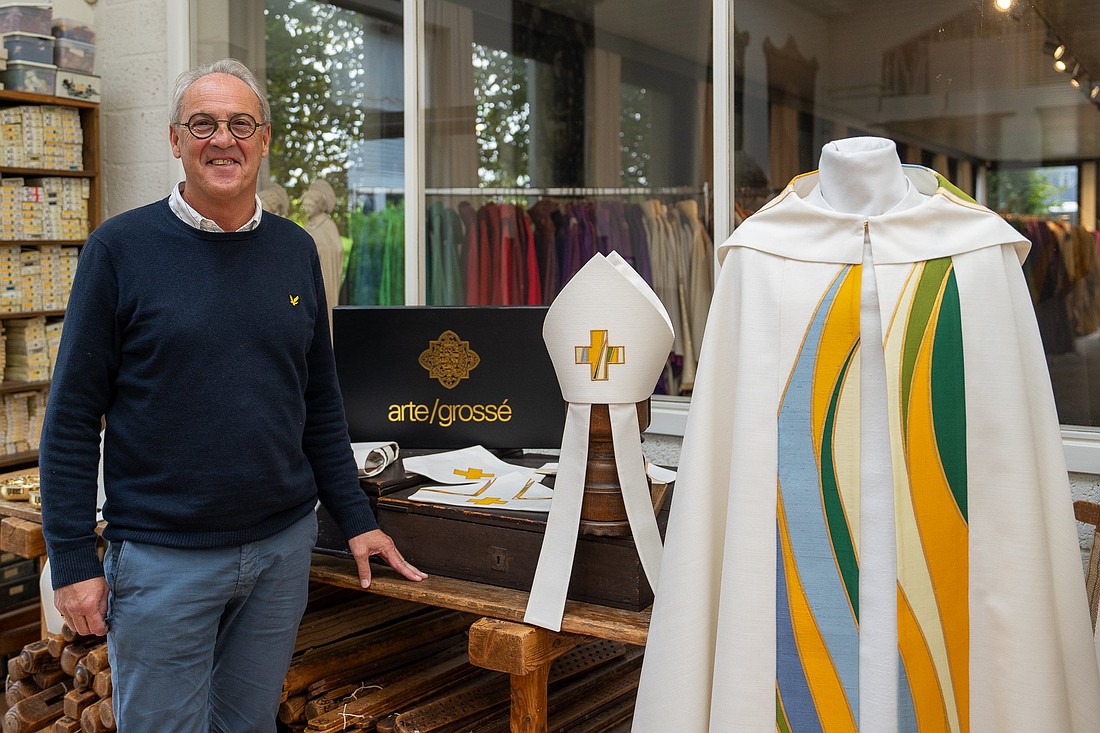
x=89, y=123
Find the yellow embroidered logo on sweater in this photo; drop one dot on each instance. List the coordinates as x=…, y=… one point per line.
x=294, y=299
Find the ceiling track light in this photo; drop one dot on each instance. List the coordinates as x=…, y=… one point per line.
x=1079, y=77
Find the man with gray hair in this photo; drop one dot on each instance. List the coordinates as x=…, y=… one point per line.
x=198, y=332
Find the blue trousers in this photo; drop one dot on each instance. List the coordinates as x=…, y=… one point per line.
x=200, y=640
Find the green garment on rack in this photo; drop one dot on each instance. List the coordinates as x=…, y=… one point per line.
x=444, y=272
x=391, y=288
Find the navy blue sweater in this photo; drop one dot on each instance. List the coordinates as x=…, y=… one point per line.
x=210, y=357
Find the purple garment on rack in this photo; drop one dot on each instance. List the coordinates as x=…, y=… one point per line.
x=620, y=232
x=589, y=246
x=572, y=232
x=632, y=214
x=605, y=229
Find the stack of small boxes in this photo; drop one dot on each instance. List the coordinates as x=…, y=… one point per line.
x=47, y=55
x=21, y=421
x=45, y=136
x=27, y=357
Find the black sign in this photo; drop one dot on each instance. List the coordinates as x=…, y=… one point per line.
x=448, y=377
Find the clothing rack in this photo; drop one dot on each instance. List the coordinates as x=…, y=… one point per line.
x=573, y=191
x=553, y=191
x=564, y=191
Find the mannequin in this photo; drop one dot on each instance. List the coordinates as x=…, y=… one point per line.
x=862, y=175
x=317, y=204
x=872, y=410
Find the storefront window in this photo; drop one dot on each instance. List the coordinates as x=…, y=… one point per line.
x=556, y=129
x=552, y=130
x=999, y=96
x=334, y=74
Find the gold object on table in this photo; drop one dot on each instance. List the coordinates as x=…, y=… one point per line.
x=18, y=488
x=34, y=498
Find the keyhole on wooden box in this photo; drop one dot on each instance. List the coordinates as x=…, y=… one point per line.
x=498, y=559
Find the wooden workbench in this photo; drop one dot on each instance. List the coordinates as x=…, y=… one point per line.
x=500, y=640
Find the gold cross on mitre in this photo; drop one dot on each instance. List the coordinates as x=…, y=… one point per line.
x=471, y=473
x=598, y=355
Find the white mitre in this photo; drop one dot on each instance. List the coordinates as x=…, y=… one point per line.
x=608, y=337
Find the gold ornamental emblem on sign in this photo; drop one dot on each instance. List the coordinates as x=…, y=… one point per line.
x=449, y=359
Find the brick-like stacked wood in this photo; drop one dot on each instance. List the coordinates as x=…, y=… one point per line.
x=60, y=684
x=361, y=663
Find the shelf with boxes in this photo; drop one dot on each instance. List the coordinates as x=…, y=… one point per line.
x=46, y=55
x=49, y=202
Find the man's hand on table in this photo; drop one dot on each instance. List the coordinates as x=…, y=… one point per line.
x=377, y=542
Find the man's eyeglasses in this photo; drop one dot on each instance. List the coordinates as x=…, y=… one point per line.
x=241, y=125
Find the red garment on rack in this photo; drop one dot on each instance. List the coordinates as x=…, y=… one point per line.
x=533, y=284
x=469, y=223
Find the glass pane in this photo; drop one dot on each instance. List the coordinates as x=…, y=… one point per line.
x=560, y=128
x=334, y=76
x=1000, y=96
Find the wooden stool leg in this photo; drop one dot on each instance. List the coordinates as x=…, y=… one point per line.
x=529, y=701
x=525, y=653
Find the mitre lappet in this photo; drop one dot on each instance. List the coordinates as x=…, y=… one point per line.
x=609, y=337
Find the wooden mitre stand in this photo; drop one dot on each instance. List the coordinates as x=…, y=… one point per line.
x=603, y=513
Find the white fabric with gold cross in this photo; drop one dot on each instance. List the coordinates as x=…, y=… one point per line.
x=475, y=477
x=608, y=337
x=513, y=491
x=462, y=466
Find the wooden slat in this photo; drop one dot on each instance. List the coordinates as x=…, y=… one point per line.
x=22, y=537
x=378, y=645
x=586, y=619
x=1087, y=511
x=351, y=617
x=19, y=509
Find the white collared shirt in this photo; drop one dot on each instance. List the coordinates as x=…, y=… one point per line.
x=189, y=216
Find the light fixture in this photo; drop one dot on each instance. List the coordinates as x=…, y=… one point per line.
x=1060, y=65
x=1059, y=51
x=1003, y=5
x=1075, y=82
x=1094, y=92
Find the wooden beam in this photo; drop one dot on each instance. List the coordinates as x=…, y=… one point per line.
x=505, y=646
x=22, y=537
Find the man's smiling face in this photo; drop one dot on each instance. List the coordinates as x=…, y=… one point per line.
x=221, y=171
